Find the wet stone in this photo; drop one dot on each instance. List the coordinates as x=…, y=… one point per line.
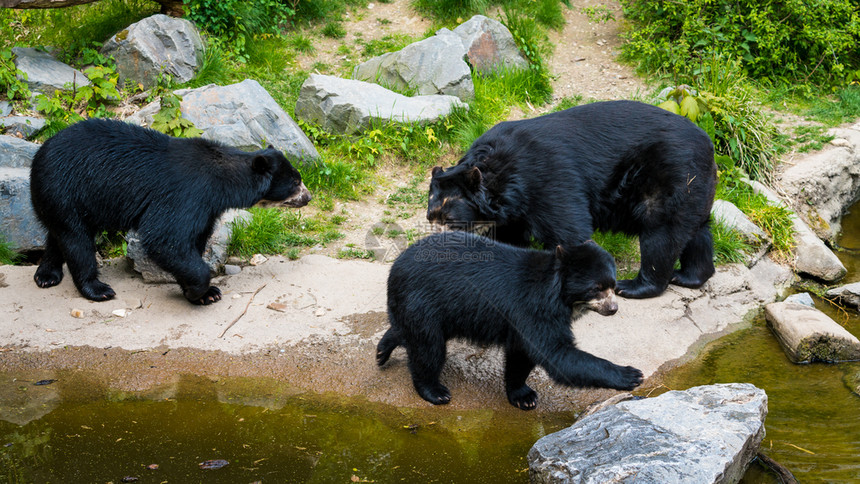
x=807, y=334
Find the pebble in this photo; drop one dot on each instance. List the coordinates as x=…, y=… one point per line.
x=231, y=270
x=257, y=259
x=120, y=313
x=77, y=313
x=320, y=312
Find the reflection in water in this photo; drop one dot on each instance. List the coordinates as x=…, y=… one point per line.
x=267, y=433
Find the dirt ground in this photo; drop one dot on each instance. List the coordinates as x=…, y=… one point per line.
x=315, y=322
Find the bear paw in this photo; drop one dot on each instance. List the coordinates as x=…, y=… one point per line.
x=97, y=291
x=523, y=398
x=437, y=394
x=212, y=295
x=628, y=378
x=48, y=277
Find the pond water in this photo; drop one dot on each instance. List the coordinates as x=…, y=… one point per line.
x=73, y=430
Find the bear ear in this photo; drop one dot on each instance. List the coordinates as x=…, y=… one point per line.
x=474, y=179
x=261, y=164
x=436, y=170
x=559, y=252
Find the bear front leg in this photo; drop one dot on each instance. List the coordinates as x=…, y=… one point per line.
x=79, y=251
x=518, y=365
x=190, y=272
x=426, y=359
x=50, y=271
x=697, y=260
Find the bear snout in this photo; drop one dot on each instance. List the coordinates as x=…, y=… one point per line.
x=299, y=199
x=606, y=304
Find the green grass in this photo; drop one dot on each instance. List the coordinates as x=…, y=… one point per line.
x=843, y=106
x=276, y=231
x=351, y=252
x=8, y=255
x=729, y=245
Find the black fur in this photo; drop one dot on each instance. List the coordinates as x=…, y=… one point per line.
x=619, y=166
x=461, y=285
x=108, y=175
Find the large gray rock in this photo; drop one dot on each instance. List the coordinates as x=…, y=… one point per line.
x=489, y=45
x=15, y=152
x=434, y=65
x=18, y=223
x=214, y=256
x=822, y=185
x=806, y=334
x=848, y=294
x=21, y=126
x=707, y=434
x=243, y=115
x=349, y=106
x=813, y=257
x=153, y=45
x=45, y=73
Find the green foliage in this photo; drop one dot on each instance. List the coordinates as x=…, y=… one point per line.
x=729, y=244
x=546, y=12
x=300, y=43
x=845, y=106
x=335, y=30
x=8, y=255
x=783, y=41
x=624, y=248
x=238, y=21
x=169, y=118
x=598, y=13
x=276, y=231
x=10, y=84
x=351, y=252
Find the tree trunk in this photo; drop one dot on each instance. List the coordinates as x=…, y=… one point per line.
x=173, y=8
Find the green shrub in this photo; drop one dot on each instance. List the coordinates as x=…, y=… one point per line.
x=10, y=84
x=276, y=231
x=783, y=41
x=8, y=255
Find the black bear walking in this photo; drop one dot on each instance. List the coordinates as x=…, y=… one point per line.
x=462, y=285
x=109, y=175
x=619, y=166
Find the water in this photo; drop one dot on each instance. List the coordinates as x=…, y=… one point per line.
x=103, y=436
x=74, y=430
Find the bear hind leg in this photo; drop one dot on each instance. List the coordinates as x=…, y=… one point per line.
x=658, y=258
x=518, y=365
x=425, y=364
x=50, y=271
x=389, y=341
x=697, y=260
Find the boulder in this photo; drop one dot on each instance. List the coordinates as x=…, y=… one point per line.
x=813, y=257
x=15, y=152
x=22, y=126
x=801, y=298
x=707, y=434
x=489, y=45
x=823, y=184
x=349, y=106
x=45, y=73
x=154, y=45
x=214, y=256
x=243, y=115
x=807, y=335
x=848, y=294
x=18, y=222
x=434, y=65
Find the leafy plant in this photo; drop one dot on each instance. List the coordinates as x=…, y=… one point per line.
x=169, y=119
x=13, y=82
x=782, y=41
x=598, y=13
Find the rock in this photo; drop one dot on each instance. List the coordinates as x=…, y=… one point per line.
x=5, y=108
x=77, y=313
x=16, y=153
x=732, y=217
x=707, y=434
x=434, y=65
x=257, y=259
x=18, y=222
x=214, y=255
x=44, y=73
x=489, y=45
x=848, y=294
x=349, y=106
x=822, y=185
x=852, y=381
x=231, y=270
x=808, y=335
x=243, y=115
x=22, y=126
x=154, y=45
x=801, y=298
x=120, y=313
x=813, y=257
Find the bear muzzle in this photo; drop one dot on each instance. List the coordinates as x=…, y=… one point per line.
x=299, y=199
x=605, y=305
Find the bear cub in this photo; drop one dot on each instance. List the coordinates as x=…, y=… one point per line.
x=620, y=166
x=462, y=285
x=103, y=174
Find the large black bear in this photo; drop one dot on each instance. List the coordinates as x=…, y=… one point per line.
x=462, y=285
x=619, y=166
x=109, y=175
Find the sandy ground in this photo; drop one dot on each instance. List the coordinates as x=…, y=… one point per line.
x=315, y=322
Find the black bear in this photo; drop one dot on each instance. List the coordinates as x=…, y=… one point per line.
x=462, y=285
x=109, y=175
x=620, y=166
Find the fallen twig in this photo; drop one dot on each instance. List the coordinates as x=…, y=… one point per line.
x=243, y=312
